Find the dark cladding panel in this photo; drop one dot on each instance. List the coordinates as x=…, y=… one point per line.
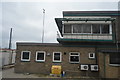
x=117, y=25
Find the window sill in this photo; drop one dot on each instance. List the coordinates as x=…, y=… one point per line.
x=74, y=62
x=92, y=58
x=115, y=65
x=40, y=61
x=25, y=60
x=57, y=61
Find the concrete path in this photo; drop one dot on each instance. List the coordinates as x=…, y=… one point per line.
x=9, y=73
x=46, y=79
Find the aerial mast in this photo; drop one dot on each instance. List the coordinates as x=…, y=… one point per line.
x=10, y=38
x=43, y=25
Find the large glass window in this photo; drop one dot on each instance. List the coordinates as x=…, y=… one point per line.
x=115, y=58
x=67, y=28
x=40, y=56
x=86, y=28
x=74, y=57
x=25, y=56
x=82, y=28
x=77, y=28
x=105, y=28
x=57, y=57
x=96, y=28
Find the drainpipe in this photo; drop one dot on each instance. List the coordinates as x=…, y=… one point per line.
x=104, y=65
x=117, y=46
x=96, y=54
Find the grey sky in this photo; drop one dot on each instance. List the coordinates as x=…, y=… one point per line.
x=26, y=19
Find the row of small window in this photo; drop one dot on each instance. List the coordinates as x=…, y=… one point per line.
x=88, y=28
x=74, y=57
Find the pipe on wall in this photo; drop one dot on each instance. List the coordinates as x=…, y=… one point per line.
x=104, y=65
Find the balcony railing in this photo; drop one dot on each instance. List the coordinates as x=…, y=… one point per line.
x=88, y=36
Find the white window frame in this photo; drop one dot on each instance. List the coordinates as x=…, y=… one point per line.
x=22, y=56
x=60, y=57
x=110, y=28
x=93, y=55
x=39, y=53
x=74, y=55
x=114, y=64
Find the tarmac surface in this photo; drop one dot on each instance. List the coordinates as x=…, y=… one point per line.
x=8, y=74
x=45, y=79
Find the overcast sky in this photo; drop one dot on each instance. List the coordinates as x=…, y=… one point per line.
x=26, y=18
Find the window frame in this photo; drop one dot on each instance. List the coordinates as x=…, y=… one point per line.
x=40, y=53
x=22, y=56
x=74, y=55
x=93, y=55
x=60, y=57
x=91, y=26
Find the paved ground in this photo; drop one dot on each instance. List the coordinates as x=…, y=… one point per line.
x=46, y=79
x=8, y=74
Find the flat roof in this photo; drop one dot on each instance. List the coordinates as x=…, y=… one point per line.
x=91, y=13
x=109, y=51
x=69, y=44
x=34, y=44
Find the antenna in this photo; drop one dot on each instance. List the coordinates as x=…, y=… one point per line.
x=43, y=25
x=10, y=38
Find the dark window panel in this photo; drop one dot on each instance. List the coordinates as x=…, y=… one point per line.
x=91, y=55
x=77, y=28
x=82, y=28
x=56, y=56
x=86, y=28
x=96, y=28
x=40, y=56
x=74, y=58
x=115, y=58
x=105, y=28
x=25, y=55
x=67, y=28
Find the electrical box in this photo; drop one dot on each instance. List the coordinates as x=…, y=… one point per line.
x=84, y=67
x=56, y=69
x=94, y=67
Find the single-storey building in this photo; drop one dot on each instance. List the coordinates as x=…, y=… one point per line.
x=89, y=45
x=7, y=57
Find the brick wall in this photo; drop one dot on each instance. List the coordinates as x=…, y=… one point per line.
x=70, y=69
x=45, y=67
